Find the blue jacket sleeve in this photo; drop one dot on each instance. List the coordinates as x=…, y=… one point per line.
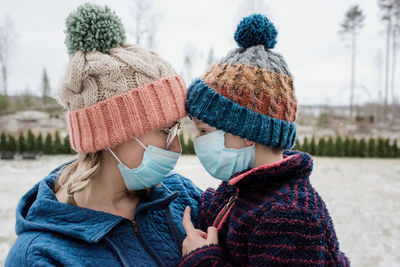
x=189, y=195
x=22, y=254
x=194, y=197
x=18, y=253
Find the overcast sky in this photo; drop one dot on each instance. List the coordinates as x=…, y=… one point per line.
x=308, y=39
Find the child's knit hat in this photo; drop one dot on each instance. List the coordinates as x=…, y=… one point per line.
x=114, y=91
x=250, y=92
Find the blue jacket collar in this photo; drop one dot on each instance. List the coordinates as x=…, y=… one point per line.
x=39, y=210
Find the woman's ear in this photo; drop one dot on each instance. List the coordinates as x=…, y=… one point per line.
x=249, y=143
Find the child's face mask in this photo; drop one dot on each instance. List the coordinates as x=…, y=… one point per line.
x=156, y=164
x=219, y=161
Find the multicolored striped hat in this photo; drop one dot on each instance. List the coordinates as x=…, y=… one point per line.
x=250, y=92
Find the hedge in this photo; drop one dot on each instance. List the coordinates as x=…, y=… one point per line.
x=325, y=146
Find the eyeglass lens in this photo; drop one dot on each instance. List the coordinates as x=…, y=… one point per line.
x=172, y=134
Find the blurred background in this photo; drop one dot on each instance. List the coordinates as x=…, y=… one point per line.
x=343, y=56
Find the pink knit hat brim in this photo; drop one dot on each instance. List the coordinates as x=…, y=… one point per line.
x=130, y=114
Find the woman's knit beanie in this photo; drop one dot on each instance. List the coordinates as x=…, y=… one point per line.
x=250, y=92
x=114, y=91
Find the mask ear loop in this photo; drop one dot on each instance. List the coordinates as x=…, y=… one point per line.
x=115, y=156
x=141, y=143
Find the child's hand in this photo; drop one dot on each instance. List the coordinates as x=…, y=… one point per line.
x=196, y=238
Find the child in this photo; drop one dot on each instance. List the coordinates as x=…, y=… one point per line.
x=265, y=210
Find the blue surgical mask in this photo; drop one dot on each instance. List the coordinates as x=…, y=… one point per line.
x=219, y=161
x=156, y=164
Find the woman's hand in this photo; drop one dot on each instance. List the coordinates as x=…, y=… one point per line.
x=196, y=238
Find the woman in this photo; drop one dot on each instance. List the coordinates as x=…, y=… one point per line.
x=117, y=204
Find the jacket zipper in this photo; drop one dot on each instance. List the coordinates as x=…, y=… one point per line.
x=225, y=209
x=173, y=230
x=141, y=241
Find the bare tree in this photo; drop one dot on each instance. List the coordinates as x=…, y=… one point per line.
x=379, y=63
x=353, y=22
x=248, y=7
x=8, y=38
x=146, y=19
x=211, y=58
x=396, y=35
x=189, y=60
x=388, y=8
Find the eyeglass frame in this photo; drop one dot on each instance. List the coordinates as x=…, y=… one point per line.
x=171, y=136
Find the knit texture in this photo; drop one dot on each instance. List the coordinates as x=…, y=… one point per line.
x=278, y=219
x=236, y=119
x=122, y=117
x=255, y=78
x=215, y=257
x=143, y=89
x=244, y=89
x=92, y=77
x=92, y=27
x=254, y=30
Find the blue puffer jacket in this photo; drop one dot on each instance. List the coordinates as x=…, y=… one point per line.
x=51, y=233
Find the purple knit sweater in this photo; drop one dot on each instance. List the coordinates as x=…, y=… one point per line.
x=278, y=219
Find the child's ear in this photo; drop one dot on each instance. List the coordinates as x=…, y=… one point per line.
x=249, y=143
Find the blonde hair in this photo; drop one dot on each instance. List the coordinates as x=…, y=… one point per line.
x=79, y=174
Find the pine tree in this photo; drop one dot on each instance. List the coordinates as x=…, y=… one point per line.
x=362, y=148
x=305, y=147
x=48, y=144
x=339, y=146
x=183, y=143
x=58, y=148
x=12, y=143
x=372, y=151
x=21, y=145
x=190, y=147
x=321, y=147
x=354, y=147
x=388, y=148
x=5, y=102
x=297, y=145
x=381, y=148
x=347, y=147
x=67, y=146
x=351, y=26
x=395, y=149
x=39, y=143
x=3, y=142
x=313, y=146
x=30, y=142
x=330, y=147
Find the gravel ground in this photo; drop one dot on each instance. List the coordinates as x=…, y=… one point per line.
x=361, y=195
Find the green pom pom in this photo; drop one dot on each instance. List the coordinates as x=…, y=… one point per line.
x=92, y=27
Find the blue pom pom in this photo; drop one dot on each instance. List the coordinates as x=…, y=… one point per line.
x=256, y=30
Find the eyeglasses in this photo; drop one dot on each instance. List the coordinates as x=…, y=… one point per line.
x=172, y=133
